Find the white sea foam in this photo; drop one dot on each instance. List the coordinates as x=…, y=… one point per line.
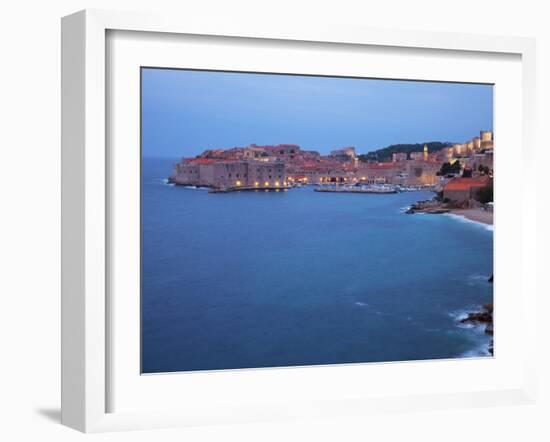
x=480, y=351
x=164, y=181
x=361, y=304
x=475, y=327
x=459, y=315
x=461, y=218
x=196, y=188
x=477, y=279
x=476, y=331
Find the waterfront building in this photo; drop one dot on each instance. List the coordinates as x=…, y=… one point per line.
x=409, y=172
x=229, y=174
x=461, y=190
x=421, y=173
x=380, y=171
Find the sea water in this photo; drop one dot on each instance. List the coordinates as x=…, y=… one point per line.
x=297, y=277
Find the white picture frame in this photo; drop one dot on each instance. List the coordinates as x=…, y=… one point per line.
x=86, y=353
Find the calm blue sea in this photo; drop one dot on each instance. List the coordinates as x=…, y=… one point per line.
x=260, y=279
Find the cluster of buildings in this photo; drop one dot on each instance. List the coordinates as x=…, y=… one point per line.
x=476, y=158
x=283, y=165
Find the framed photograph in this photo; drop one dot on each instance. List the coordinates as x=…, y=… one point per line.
x=263, y=223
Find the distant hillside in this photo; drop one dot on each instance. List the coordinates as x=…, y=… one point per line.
x=385, y=154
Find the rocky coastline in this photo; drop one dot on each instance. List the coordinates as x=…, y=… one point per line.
x=471, y=210
x=482, y=317
x=432, y=206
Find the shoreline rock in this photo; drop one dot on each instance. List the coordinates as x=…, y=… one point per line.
x=433, y=206
x=467, y=210
x=485, y=316
x=436, y=205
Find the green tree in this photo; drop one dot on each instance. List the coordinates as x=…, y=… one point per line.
x=385, y=154
x=485, y=194
x=448, y=168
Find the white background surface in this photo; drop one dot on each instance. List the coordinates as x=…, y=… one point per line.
x=29, y=222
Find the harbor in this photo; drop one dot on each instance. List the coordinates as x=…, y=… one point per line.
x=329, y=188
x=248, y=189
x=357, y=189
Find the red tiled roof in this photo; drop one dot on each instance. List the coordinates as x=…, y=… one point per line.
x=466, y=183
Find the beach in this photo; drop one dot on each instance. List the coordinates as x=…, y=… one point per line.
x=435, y=207
x=479, y=215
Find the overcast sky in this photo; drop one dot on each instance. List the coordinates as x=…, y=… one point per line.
x=185, y=112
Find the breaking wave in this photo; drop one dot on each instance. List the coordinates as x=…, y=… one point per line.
x=461, y=218
x=477, y=279
x=480, y=351
x=196, y=188
x=163, y=181
x=480, y=340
